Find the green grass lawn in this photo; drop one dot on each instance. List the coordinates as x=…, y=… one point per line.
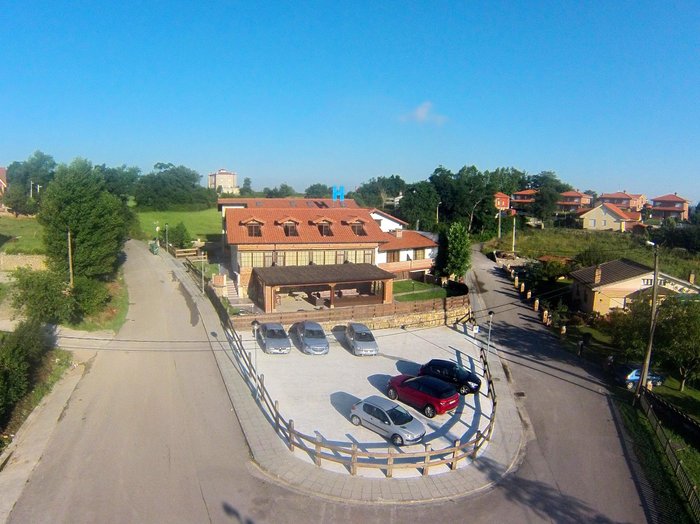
x=688, y=400
x=407, y=286
x=422, y=295
x=20, y=235
x=205, y=225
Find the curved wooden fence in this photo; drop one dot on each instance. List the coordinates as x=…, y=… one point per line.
x=349, y=455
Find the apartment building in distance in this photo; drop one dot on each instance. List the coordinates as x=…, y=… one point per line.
x=669, y=206
x=224, y=181
x=623, y=200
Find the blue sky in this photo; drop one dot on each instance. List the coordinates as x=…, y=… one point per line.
x=606, y=94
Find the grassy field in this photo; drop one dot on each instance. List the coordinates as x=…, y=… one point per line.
x=20, y=235
x=205, y=225
x=534, y=243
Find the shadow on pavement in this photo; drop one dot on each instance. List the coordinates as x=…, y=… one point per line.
x=342, y=402
x=379, y=381
x=406, y=367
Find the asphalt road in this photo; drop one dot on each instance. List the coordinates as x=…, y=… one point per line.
x=149, y=434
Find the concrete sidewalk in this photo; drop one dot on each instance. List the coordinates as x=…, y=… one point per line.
x=274, y=458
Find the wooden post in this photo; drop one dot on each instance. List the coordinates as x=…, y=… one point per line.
x=291, y=435
x=426, y=462
x=353, y=460
x=528, y=295
x=536, y=306
x=516, y=281
x=261, y=385
x=277, y=416
x=455, y=453
x=317, y=451
x=522, y=287
x=390, y=464
x=479, y=436
x=545, y=316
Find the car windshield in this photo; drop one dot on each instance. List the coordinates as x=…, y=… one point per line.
x=364, y=336
x=275, y=333
x=463, y=374
x=314, y=333
x=399, y=416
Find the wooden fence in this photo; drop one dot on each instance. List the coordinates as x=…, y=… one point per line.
x=688, y=487
x=348, y=454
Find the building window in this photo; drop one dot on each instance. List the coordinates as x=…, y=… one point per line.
x=591, y=222
x=302, y=258
x=290, y=229
x=257, y=259
x=392, y=256
x=358, y=229
x=317, y=257
x=647, y=281
x=369, y=256
x=339, y=257
x=325, y=229
x=269, y=258
x=245, y=259
x=254, y=230
x=419, y=254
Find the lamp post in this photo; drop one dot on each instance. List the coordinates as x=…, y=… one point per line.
x=167, y=246
x=201, y=257
x=437, y=213
x=256, y=325
x=652, y=325
x=488, y=339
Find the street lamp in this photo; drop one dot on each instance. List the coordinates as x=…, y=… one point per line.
x=652, y=325
x=437, y=213
x=256, y=325
x=167, y=246
x=488, y=340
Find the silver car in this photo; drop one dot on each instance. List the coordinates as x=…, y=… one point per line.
x=312, y=338
x=273, y=338
x=387, y=418
x=361, y=339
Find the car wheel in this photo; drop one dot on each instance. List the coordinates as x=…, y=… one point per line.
x=397, y=440
x=429, y=411
x=463, y=390
x=355, y=420
x=392, y=394
x=630, y=385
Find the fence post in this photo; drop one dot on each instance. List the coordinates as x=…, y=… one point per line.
x=453, y=465
x=353, y=460
x=261, y=385
x=426, y=461
x=317, y=451
x=277, y=416
x=479, y=436
x=291, y=435
x=390, y=464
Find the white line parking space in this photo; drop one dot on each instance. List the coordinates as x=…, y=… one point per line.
x=317, y=391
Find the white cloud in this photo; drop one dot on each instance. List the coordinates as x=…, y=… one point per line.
x=424, y=114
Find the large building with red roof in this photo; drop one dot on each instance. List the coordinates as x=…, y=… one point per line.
x=669, y=206
x=623, y=200
x=570, y=201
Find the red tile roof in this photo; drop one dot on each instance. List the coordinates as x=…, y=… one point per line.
x=669, y=198
x=574, y=194
x=619, y=194
x=625, y=215
x=526, y=192
x=388, y=216
x=307, y=219
x=408, y=240
x=500, y=195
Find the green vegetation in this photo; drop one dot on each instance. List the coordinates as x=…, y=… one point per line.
x=687, y=400
x=204, y=225
x=53, y=365
x=424, y=295
x=651, y=457
x=534, y=243
x=408, y=286
x=21, y=235
x=111, y=317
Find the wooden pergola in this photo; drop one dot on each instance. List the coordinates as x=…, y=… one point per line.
x=333, y=285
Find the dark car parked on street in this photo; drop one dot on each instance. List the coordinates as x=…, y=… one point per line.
x=465, y=381
x=430, y=395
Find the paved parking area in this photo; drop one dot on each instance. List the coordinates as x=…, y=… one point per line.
x=318, y=391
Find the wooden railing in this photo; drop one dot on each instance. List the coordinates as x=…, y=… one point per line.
x=349, y=455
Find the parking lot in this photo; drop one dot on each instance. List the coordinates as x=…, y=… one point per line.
x=317, y=391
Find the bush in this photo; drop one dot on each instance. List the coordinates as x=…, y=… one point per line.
x=90, y=295
x=43, y=295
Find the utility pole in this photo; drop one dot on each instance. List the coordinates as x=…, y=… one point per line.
x=499, y=223
x=31, y=187
x=437, y=213
x=513, y=245
x=70, y=260
x=652, y=325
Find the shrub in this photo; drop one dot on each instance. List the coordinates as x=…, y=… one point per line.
x=43, y=295
x=90, y=295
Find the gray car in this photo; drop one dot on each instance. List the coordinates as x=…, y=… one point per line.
x=361, y=339
x=312, y=338
x=273, y=338
x=387, y=418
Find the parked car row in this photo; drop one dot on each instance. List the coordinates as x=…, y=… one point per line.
x=312, y=339
x=435, y=391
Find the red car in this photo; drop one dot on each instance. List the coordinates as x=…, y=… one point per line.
x=430, y=395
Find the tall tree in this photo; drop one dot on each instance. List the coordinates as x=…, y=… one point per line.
x=77, y=201
x=458, y=251
x=120, y=181
x=545, y=204
x=318, y=191
x=33, y=174
x=247, y=187
x=419, y=206
x=677, y=336
x=17, y=200
x=170, y=186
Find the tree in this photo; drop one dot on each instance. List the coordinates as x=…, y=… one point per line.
x=44, y=296
x=120, y=181
x=180, y=237
x=78, y=202
x=630, y=329
x=458, y=251
x=247, y=188
x=677, y=335
x=17, y=200
x=545, y=204
x=318, y=191
x=591, y=256
x=419, y=205
x=37, y=170
x=283, y=191
x=170, y=186
x=548, y=179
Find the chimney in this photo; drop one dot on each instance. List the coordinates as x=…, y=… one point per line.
x=596, y=276
x=398, y=233
x=691, y=278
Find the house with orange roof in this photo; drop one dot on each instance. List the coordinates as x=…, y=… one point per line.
x=3, y=180
x=407, y=254
x=623, y=200
x=669, y=206
x=522, y=200
x=501, y=201
x=609, y=217
x=571, y=201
